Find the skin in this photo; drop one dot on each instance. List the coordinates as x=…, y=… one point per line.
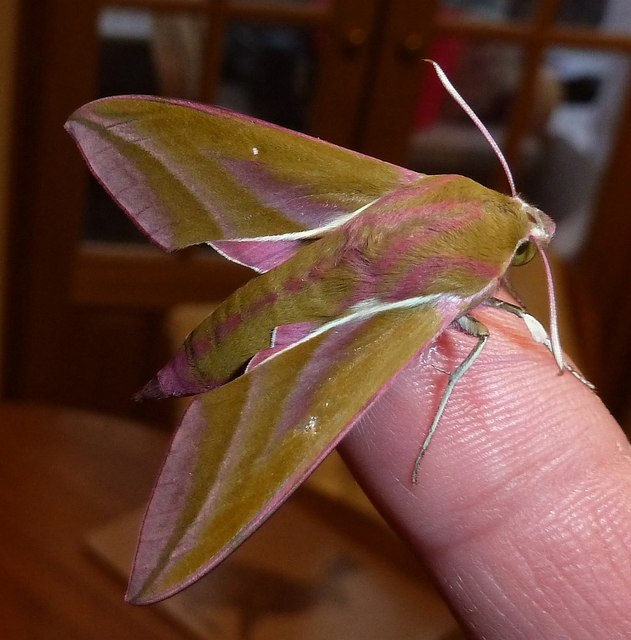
x=523, y=507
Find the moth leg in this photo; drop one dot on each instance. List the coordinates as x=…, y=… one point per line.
x=537, y=331
x=469, y=325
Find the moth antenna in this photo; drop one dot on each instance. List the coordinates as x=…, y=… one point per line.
x=442, y=76
x=555, y=342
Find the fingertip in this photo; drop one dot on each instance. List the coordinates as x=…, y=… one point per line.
x=525, y=480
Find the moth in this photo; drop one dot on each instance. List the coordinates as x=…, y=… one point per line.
x=361, y=266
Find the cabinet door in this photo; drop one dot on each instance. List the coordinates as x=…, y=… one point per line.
x=87, y=294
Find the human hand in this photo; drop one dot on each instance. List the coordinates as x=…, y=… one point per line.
x=522, y=510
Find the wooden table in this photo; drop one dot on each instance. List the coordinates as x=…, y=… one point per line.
x=64, y=473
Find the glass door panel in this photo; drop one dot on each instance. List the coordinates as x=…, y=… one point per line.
x=579, y=134
x=489, y=10
x=549, y=88
x=269, y=72
x=444, y=140
x=582, y=13
x=259, y=58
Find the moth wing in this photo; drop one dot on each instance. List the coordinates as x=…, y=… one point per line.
x=243, y=448
x=187, y=173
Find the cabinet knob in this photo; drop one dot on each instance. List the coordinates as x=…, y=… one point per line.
x=355, y=37
x=412, y=46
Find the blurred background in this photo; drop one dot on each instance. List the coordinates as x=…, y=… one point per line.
x=87, y=303
x=89, y=310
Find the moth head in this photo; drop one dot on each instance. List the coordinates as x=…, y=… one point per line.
x=540, y=233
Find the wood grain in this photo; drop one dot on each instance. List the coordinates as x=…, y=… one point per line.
x=67, y=478
x=63, y=474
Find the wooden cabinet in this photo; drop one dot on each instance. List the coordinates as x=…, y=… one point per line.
x=84, y=311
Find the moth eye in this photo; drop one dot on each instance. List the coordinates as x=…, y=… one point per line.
x=524, y=253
